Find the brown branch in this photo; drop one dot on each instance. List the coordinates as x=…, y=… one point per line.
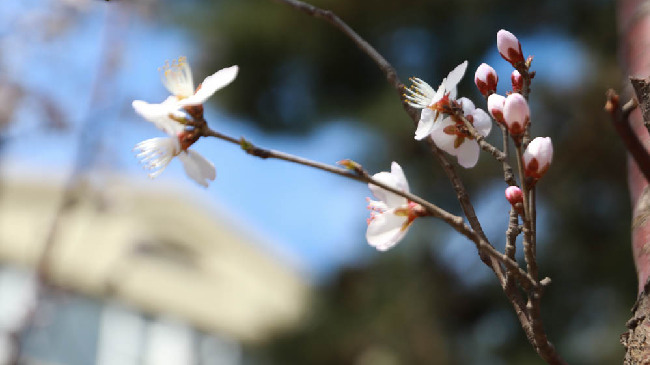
x=620, y=118
x=476, y=234
x=454, y=221
x=361, y=43
x=508, y=175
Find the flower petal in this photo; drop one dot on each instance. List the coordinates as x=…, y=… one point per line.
x=210, y=85
x=197, y=167
x=400, y=178
x=158, y=114
x=467, y=104
x=156, y=153
x=482, y=122
x=443, y=140
x=454, y=78
x=426, y=124
x=392, y=200
x=386, y=230
x=468, y=153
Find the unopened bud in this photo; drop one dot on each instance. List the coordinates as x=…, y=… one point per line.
x=516, y=114
x=514, y=195
x=486, y=79
x=537, y=157
x=509, y=47
x=495, y=104
x=517, y=81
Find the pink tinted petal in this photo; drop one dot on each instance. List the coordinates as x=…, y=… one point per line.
x=482, y=122
x=468, y=153
x=468, y=105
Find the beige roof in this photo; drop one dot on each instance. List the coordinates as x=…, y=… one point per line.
x=159, y=251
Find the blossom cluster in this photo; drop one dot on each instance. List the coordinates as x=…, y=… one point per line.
x=172, y=116
x=455, y=126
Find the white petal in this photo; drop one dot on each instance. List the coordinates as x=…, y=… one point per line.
x=400, y=178
x=156, y=153
x=158, y=114
x=210, y=85
x=197, y=167
x=443, y=140
x=454, y=77
x=426, y=124
x=439, y=94
x=468, y=105
x=386, y=230
x=177, y=77
x=392, y=200
x=468, y=153
x=482, y=122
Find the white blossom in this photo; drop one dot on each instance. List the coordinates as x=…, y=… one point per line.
x=156, y=153
x=451, y=135
x=422, y=96
x=391, y=215
x=177, y=78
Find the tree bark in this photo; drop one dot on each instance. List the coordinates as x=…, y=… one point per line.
x=634, y=36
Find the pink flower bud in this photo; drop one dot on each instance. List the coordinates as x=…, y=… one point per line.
x=517, y=81
x=537, y=157
x=514, y=195
x=516, y=114
x=509, y=47
x=495, y=104
x=486, y=79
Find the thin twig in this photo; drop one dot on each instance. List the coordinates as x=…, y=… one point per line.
x=508, y=175
x=620, y=119
x=529, y=254
x=394, y=81
x=476, y=234
x=485, y=145
x=454, y=221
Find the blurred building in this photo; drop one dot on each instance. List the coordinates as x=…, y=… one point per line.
x=144, y=277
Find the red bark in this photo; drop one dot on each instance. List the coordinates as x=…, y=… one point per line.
x=634, y=31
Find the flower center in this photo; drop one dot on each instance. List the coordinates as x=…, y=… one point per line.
x=177, y=78
x=459, y=129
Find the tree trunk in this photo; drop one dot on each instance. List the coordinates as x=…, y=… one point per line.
x=634, y=36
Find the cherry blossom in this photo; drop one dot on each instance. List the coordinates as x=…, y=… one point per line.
x=391, y=215
x=177, y=78
x=433, y=103
x=156, y=153
x=452, y=136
